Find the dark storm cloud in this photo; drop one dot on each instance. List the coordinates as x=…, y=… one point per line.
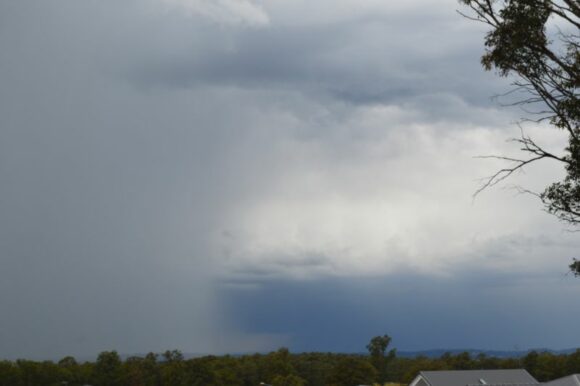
x=368, y=60
x=482, y=310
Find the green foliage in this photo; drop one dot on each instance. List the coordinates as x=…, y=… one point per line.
x=173, y=369
x=378, y=345
x=546, y=67
x=572, y=365
x=377, y=348
x=279, y=368
x=10, y=374
x=351, y=371
x=108, y=369
x=288, y=380
x=139, y=371
x=278, y=363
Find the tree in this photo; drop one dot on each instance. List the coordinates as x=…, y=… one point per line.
x=377, y=348
x=108, y=369
x=288, y=380
x=461, y=361
x=351, y=371
x=199, y=373
x=378, y=345
x=278, y=363
x=69, y=369
x=10, y=374
x=546, y=66
x=139, y=371
x=173, y=369
x=172, y=356
x=573, y=363
x=530, y=362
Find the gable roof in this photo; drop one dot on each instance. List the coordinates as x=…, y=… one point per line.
x=570, y=380
x=517, y=377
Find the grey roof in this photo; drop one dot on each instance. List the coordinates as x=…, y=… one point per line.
x=570, y=380
x=505, y=384
x=480, y=377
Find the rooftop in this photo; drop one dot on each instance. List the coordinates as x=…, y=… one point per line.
x=515, y=377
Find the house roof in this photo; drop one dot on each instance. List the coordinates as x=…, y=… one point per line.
x=518, y=377
x=570, y=380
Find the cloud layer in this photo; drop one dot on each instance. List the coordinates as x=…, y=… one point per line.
x=223, y=11
x=159, y=157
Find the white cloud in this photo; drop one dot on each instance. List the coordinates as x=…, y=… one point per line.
x=383, y=194
x=243, y=12
x=341, y=11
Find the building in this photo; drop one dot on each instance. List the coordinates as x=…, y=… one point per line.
x=570, y=380
x=517, y=377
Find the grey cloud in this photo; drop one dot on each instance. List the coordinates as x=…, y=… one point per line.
x=475, y=310
x=350, y=61
x=131, y=138
x=280, y=266
x=108, y=195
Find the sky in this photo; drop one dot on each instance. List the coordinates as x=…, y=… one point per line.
x=240, y=175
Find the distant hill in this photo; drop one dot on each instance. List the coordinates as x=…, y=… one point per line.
x=436, y=353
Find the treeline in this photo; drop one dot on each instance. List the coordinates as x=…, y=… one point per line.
x=279, y=368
